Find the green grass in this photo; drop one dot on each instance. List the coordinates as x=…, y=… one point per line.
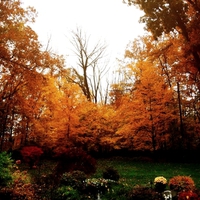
x=136, y=172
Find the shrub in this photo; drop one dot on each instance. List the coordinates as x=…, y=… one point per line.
x=5, y=169
x=46, y=185
x=67, y=193
x=160, y=179
x=74, y=179
x=21, y=177
x=187, y=195
x=94, y=186
x=160, y=183
x=180, y=183
x=22, y=187
x=143, y=193
x=31, y=155
x=111, y=173
x=23, y=191
x=117, y=192
x=73, y=159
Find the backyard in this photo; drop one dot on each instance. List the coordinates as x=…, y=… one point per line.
x=133, y=178
x=137, y=172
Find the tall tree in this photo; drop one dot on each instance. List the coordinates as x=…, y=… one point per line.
x=21, y=63
x=147, y=112
x=166, y=16
x=90, y=70
x=59, y=104
x=97, y=132
x=178, y=74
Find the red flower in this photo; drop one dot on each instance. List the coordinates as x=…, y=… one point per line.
x=187, y=195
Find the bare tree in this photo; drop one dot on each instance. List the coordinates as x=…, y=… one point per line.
x=90, y=69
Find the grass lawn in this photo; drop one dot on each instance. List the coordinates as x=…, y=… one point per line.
x=132, y=172
x=136, y=172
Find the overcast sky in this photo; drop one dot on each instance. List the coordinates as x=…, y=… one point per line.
x=109, y=21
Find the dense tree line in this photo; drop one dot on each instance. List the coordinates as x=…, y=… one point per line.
x=153, y=106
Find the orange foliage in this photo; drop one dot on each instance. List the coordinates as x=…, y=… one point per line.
x=144, y=118
x=22, y=64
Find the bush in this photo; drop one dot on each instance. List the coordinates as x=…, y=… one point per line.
x=180, y=183
x=94, y=186
x=23, y=191
x=22, y=187
x=31, y=155
x=74, y=179
x=187, y=195
x=111, y=173
x=117, y=192
x=160, y=183
x=143, y=193
x=73, y=159
x=5, y=169
x=67, y=193
x=46, y=186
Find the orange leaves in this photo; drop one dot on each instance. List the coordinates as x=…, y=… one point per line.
x=145, y=115
x=151, y=107
x=23, y=66
x=59, y=106
x=48, y=104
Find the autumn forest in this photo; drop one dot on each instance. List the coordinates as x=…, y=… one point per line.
x=151, y=104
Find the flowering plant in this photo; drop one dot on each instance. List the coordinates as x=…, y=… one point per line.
x=97, y=182
x=180, y=183
x=96, y=185
x=160, y=183
x=160, y=179
x=187, y=195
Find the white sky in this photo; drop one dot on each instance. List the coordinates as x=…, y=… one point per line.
x=109, y=21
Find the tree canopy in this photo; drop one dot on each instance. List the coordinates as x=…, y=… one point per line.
x=153, y=99
x=179, y=17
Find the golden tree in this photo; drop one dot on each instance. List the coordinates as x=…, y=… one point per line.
x=21, y=63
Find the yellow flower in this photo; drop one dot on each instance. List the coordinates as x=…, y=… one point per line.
x=160, y=179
